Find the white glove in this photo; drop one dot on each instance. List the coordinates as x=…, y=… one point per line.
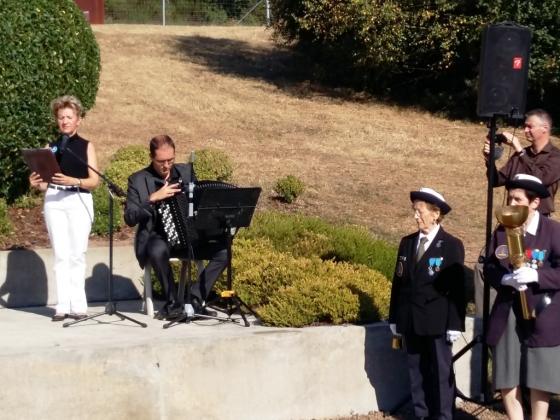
x=393, y=328
x=452, y=335
x=525, y=275
x=507, y=280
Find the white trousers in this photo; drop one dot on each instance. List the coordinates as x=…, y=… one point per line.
x=68, y=216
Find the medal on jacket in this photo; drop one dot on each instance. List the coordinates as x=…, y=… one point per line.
x=535, y=257
x=400, y=266
x=434, y=265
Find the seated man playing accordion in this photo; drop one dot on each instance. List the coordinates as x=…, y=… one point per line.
x=148, y=191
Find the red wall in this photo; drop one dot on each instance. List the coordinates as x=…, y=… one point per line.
x=94, y=10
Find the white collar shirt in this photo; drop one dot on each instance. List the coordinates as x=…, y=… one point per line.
x=533, y=224
x=430, y=236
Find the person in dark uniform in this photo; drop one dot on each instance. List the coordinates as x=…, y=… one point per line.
x=428, y=305
x=68, y=208
x=526, y=352
x=147, y=188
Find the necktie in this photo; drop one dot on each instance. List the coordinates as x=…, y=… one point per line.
x=421, y=248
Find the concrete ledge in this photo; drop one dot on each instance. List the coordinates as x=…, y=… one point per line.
x=116, y=370
x=27, y=279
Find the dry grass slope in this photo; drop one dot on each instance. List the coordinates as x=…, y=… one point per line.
x=232, y=88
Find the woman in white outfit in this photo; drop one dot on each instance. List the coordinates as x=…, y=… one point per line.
x=68, y=207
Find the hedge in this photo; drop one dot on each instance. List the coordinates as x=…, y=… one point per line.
x=291, y=291
x=124, y=162
x=298, y=291
x=309, y=236
x=5, y=224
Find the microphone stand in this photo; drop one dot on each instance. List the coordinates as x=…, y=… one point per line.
x=485, y=388
x=111, y=306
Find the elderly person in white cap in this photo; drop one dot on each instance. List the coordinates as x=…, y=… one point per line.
x=428, y=305
x=526, y=352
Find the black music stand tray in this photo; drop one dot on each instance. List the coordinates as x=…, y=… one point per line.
x=225, y=209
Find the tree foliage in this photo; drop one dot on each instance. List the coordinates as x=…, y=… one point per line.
x=421, y=51
x=47, y=49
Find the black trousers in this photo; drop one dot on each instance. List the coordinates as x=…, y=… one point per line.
x=432, y=381
x=216, y=254
x=159, y=254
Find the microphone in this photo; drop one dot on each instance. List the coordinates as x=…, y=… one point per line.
x=63, y=144
x=190, y=190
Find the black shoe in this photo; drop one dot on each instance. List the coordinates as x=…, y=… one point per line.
x=200, y=309
x=212, y=296
x=59, y=317
x=77, y=317
x=174, y=311
x=160, y=315
x=163, y=313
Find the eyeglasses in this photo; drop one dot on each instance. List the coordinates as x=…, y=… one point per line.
x=165, y=161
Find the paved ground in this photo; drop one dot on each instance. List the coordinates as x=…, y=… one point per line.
x=31, y=329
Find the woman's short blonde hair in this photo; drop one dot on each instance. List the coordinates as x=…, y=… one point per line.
x=67, y=101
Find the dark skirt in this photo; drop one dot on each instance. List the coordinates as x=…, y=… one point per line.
x=515, y=364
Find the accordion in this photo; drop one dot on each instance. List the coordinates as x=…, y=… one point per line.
x=178, y=226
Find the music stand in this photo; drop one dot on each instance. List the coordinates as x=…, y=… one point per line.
x=225, y=209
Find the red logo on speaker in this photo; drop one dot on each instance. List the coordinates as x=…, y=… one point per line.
x=517, y=63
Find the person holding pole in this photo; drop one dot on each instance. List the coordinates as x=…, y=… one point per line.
x=541, y=158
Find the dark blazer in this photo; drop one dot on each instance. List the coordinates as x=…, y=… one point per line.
x=544, y=331
x=139, y=211
x=424, y=301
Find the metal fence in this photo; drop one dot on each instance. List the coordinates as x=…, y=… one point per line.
x=180, y=12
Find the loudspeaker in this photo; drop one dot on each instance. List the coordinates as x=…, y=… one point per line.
x=504, y=67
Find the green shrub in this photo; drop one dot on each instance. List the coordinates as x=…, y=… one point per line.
x=260, y=270
x=212, y=164
x=297, y=291
x=47, y=49
x=124, y=162
x=5, y=224
x=101, y=211
x=28, y=201
x=311, y=236
x=293, y=291
x=289, y=188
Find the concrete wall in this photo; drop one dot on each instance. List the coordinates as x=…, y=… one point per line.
x=111, y=372
x=27, y=279
x=237, y=373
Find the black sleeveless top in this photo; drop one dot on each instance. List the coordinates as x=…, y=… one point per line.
x=69, y=164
